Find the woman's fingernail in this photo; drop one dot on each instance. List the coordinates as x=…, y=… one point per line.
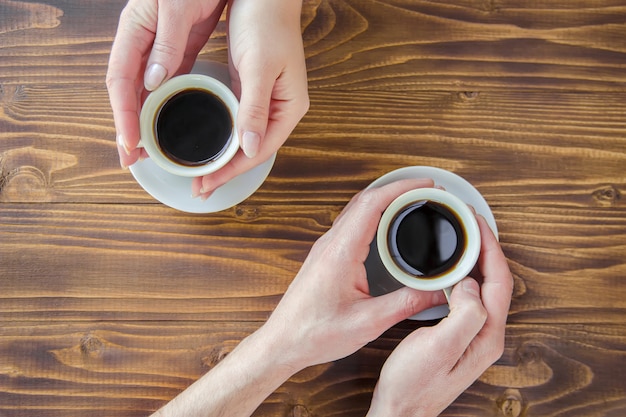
x=250, y=143
x=123, y=165
x=154, y=76
x=122, y=144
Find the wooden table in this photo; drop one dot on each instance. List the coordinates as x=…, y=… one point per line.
x=112, y=303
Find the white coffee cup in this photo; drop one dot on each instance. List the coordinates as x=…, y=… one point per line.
x=459, y=265
x=153, y=106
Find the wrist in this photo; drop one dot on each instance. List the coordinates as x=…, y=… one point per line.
x=384, y=406
x=280, y=346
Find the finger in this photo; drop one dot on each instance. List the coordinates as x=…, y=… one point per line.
x=239, y=164
x=347, y=207
x=127, y=158
x=125, y=106
x=276, y=134
x=496, y=292
x=418, y=183
x=200, y=33
x=181, y=33
x=172, y=32
x=132, y=42
x=357, y=225
x=196, y=186
x=497, y=286
x=389, y=309
x=254, y=105
x=466, y=319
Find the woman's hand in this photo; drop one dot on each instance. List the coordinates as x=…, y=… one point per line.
x=155, y=40
x=268, y=75
x=158, y=39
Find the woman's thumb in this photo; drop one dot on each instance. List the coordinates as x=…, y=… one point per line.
x=254, y=110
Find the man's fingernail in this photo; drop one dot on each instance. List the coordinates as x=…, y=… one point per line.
x=122, y=143
x=154, y=76
x=250, y=143
x=471, y=286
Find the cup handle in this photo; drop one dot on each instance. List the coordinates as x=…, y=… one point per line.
x=448, y=293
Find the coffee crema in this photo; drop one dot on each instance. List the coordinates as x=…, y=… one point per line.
x=193, y=127
x=426, y=239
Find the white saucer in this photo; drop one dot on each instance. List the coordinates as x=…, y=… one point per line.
x=175, y=191
x=379, y=281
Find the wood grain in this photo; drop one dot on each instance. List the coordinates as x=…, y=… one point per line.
x=416, y=45
x=117, y=367
x=112, y=303
x=73, y=262
x=571, y=144
x=366, y=44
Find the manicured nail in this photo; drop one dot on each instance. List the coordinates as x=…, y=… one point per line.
x=123, y=165
x=250, y=143
x=195, y=193
x=122, y=144
x=203, y=189
x=154, y=76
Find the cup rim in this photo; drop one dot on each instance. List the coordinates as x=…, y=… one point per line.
x=467, y=260
x=154, y=102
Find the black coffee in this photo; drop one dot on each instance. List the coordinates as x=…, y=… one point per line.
x=193, y=127
x=426, y=239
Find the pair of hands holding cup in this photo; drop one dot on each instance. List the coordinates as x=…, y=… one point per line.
x=159, y=39
x=327, y=313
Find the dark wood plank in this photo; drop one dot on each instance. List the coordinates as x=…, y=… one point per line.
x=566, y=148
x=363, y=44
x=417, y=45
x=104, y=262
x=73, y=261
x=106, y=368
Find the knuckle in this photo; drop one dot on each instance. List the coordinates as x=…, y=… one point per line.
x=477, y=311
x=134, y=14
x=412, y=303
x=367, y=197
x=256, y=112
x=165, y=48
